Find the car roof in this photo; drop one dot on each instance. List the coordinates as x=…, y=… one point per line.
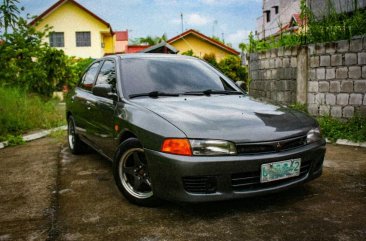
x=148, y=55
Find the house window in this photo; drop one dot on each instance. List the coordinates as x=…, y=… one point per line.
x=57, y=39
x=268, y=15
x=83, y=39
x=276, y=9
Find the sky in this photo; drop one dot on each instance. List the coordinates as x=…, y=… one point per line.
x=231, y=19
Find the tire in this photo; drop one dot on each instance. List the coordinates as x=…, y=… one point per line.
x=131, y=174
x=76, y=146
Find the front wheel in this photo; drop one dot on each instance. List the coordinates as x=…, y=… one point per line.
x=131, y=173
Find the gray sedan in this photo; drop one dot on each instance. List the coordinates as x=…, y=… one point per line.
x=176, y=128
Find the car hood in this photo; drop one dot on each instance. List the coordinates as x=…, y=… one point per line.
x=235, y=118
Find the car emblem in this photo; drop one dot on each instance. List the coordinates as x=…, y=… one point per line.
x=278, y=146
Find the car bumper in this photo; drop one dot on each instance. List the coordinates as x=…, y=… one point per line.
x=202, y=179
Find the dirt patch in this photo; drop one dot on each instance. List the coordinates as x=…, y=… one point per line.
x=27, y=181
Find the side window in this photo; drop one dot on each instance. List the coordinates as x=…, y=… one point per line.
x=107, y=74
x=89, y=77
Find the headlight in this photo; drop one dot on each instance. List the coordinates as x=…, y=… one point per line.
x=212, y=147
x=313, y=135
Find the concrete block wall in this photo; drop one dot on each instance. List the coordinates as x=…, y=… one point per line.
x=337, y=78
x=331, y=75
x=274, y=75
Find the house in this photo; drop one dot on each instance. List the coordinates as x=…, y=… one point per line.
x=276, y=15
x=162, y=47
x=200, y=44
x=130, y=49
x=79, y=32
x=121, y=41
x=296, y=25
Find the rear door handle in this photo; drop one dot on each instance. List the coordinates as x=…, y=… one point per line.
x=89, y=103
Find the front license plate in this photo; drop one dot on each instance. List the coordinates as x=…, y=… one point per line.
x=280, y=170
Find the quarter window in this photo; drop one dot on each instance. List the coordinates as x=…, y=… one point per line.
x=83, y=39
x=57, y=39
x=107, y=74
x=89, y=77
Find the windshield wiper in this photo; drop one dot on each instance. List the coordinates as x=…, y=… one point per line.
x=210, y=92
x=153, y=94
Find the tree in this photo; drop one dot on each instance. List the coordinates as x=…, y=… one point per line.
x=243, y=47
x=231, y=66
x=29, y=63
x=149, y=40
x=9, y=14
x=211, y=59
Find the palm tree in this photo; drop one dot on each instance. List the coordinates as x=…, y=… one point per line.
x=9, y=14
x=244, y=47
x=152, y=40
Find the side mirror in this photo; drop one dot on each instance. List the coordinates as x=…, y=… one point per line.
x=105, y=90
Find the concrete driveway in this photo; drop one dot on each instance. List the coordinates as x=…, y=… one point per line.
x=47, y=193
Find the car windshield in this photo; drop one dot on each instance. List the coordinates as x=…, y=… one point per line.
x=169, y=75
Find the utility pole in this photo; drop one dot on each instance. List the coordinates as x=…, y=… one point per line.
x=213, y=27
x=181, y=18
x=264, y=20
x=223, y=37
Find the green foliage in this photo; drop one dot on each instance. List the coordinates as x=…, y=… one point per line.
x=21, y=112
x=149, y=40
x=211, y=59
x=283, y=40
x=9, y=14
x=59, y=135
x=189, y=53
x=13, y=140
x=334, y=26
x=27, y=62
x=353, y=129
x=299, y=106
x=231, y=67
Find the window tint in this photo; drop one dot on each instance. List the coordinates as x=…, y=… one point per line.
x=57, y=39
x=83, y=39
x=89, y=76
x=107, y=74
x=169, y=75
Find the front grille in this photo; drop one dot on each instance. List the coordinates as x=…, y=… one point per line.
x=271, y=147
x=200, y=184
x=247, y=181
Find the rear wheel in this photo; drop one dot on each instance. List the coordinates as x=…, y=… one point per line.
x=131, y=173
x=75, y=144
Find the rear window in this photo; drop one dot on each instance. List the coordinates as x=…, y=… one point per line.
x=143, y=75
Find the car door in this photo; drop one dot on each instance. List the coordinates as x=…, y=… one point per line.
x=84, y=102
x=103, y=114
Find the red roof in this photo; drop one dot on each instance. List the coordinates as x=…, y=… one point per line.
x=58, y=4
x=300, y=22
x=135, y=48
x=204, y=37
x=121, y=35
x=290, y=26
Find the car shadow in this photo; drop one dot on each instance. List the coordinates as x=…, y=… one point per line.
x=281, y=201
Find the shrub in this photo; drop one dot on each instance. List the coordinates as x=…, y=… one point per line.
x=353, y=129
x=231, y=66
x=21, y=112
x=27, y=62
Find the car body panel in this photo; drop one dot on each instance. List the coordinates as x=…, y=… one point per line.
x=237, y=118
